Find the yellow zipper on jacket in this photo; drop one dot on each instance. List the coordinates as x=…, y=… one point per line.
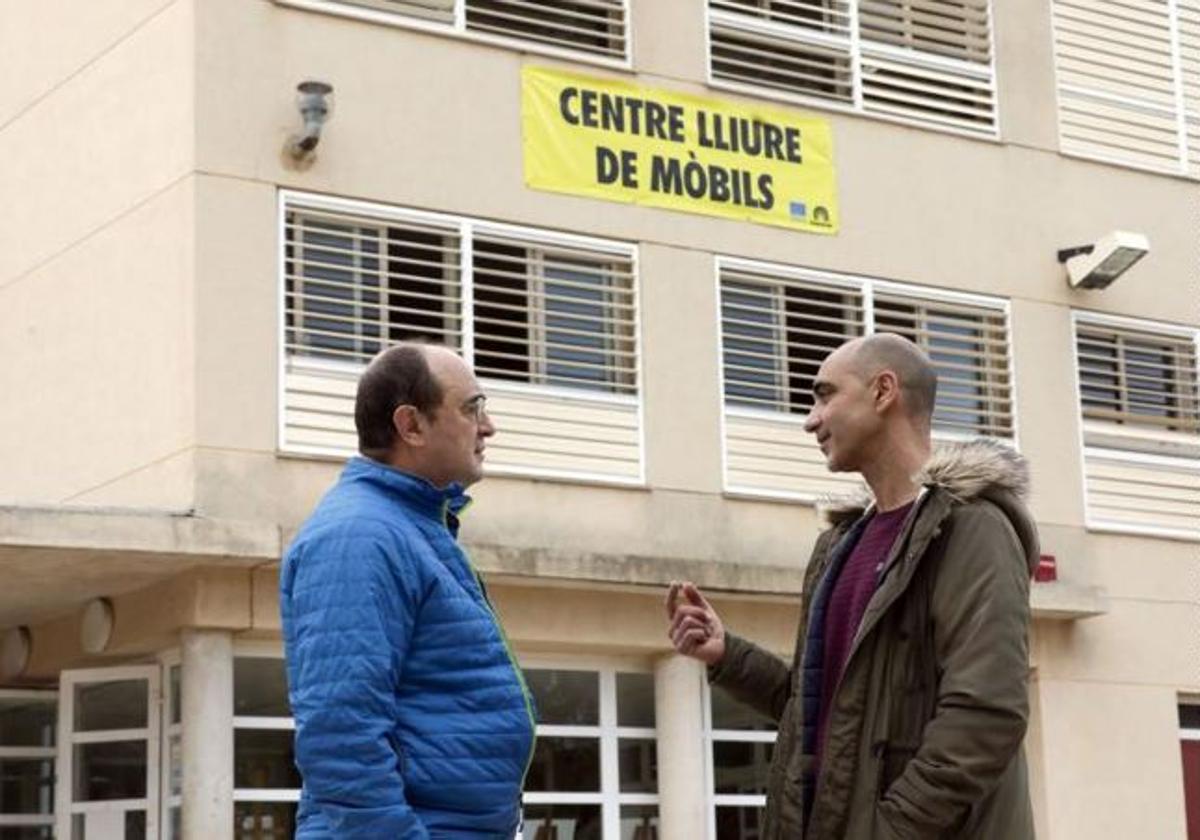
x=512, y=659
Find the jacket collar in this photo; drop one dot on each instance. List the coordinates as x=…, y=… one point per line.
x=958, y=473
x=441, y=504
x=966, y=471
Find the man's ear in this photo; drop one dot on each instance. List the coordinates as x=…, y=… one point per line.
x=409, y=425
x=886, y=390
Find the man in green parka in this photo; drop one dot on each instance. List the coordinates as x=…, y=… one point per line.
x=902, y=714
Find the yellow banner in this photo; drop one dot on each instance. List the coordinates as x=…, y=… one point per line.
x=621, y=142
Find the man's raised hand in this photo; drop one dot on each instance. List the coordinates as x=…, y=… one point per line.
x=694, y=628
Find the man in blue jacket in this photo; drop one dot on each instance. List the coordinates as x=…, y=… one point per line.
x=412, y=717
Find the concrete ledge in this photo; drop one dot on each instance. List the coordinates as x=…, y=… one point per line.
x=124, y=531
x=1064, y=601
x=633, y=569
x=126, y=540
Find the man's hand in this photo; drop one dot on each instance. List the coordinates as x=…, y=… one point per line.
x=695, y=629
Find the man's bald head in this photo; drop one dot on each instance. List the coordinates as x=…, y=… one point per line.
x=913, y=369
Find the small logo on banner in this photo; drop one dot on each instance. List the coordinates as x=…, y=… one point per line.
x=797, y=209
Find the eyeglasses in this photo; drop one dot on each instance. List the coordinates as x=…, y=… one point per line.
x=475, y=408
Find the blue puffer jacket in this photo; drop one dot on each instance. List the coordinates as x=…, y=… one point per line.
x=412, y=717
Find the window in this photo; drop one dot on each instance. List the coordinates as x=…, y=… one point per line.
x=552, y=316
x=549, y=321
x=777, y=326
x=28, y=720
x=594, y=28
x=777, y=334
x=969, y=350
x=1129, y=82
x=1189, y=726
x=594, y=771
x=108, y=757
x=1140, y=415
x=266, y=783
x=919, y=61
x=1137, y=379
x=740, y=744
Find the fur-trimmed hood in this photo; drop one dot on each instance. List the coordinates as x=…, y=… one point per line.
x=976, y=469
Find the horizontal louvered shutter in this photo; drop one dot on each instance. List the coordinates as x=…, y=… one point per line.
x=969, y=348
x=1130, y=377
x=598, y=27
x=354, y=284
x=1141, y=428
x=593, y=26
x=908, y=87
x=1162, y=496
x=553, y=316
x=794, y=46
x=958, y=30
x=776, y=329
x=929, y=61
x=1188, y=12
x=563, y=433
x=1117, y=82
x=441, y=11
x=550, y=327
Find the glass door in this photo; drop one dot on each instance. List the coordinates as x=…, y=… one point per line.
x=108, y=748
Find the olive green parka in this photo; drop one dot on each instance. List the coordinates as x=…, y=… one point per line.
x=925, y=730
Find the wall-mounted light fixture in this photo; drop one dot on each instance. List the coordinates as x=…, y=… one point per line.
x=313, y=100
x=1097, y=265
x=95, y=630
x=14, y=652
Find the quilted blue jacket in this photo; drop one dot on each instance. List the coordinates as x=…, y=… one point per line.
x=412, y=717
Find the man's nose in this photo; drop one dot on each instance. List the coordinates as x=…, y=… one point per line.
x=486, y=428
x=811, y=421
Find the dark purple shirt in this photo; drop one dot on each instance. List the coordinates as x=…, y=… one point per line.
x=851, y=592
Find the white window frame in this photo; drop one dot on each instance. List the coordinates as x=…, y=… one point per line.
x=50, y=698
x=854, y=44
x=168, y=660
x=867, y=287
x=609, y=797
x=1182, y=160
x=466, y=228
x=458, y=29
x=261, y=650
x=65, y=806
x=711, y=738
x=1091, y=523
x=241, y=649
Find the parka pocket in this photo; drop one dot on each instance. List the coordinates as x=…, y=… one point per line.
x=891, y=760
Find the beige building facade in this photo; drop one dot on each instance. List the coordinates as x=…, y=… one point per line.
x=184, y=306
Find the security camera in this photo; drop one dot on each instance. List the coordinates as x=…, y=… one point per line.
x=1096, y=266
x=312, y=100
